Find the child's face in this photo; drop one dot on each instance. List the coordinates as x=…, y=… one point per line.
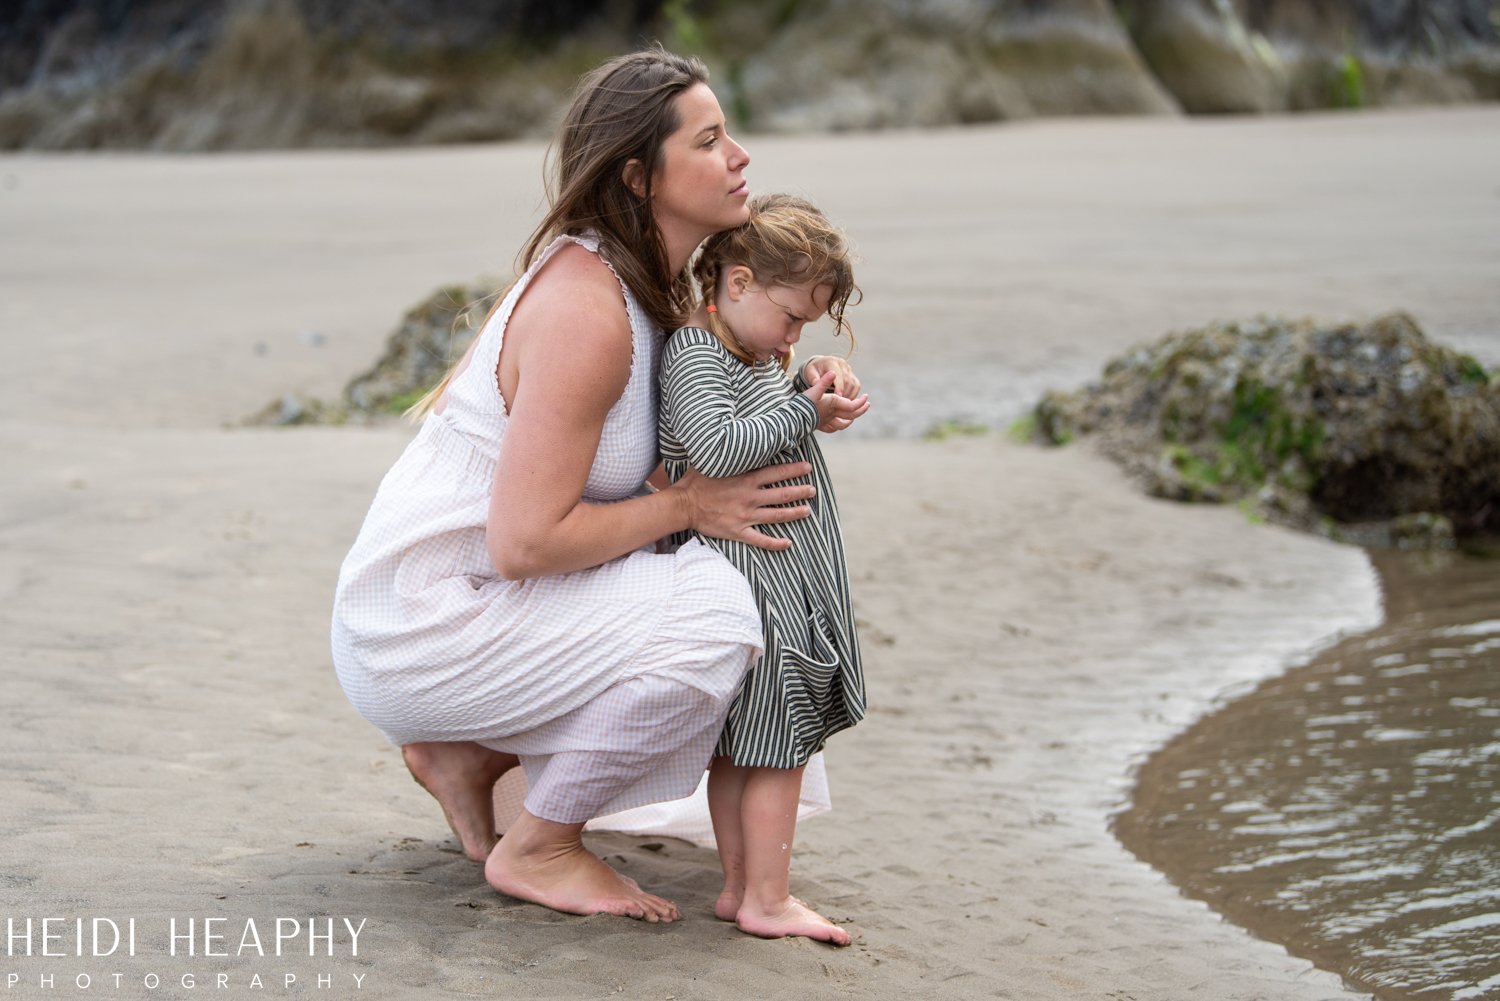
x=768, y=319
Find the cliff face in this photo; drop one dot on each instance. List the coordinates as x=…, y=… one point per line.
x=221, y=74
x=1277, y=55
x=216, y=74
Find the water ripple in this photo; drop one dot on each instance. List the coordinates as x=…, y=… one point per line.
x=1350, y=809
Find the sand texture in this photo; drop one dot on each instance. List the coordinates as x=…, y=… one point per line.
x=177, y=745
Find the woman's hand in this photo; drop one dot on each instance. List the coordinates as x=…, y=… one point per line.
x=731, y=507
x=841, y=404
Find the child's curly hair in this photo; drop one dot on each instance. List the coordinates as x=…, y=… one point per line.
x=786, y=241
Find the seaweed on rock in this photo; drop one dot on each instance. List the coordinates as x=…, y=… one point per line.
x=1371, y=433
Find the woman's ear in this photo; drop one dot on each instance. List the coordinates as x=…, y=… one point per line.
x=737, y=280
x=634, y=176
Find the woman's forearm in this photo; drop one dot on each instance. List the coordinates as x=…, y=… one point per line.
x=586, y=536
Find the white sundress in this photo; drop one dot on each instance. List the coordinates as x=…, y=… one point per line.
x=430, y=644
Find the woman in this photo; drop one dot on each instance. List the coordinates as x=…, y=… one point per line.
x=503, y=603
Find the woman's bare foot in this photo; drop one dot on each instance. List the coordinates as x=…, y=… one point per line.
x=547, y=864
x=461, y=776
x=792, y=918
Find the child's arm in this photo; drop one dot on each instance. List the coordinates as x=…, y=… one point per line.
x=696, y=394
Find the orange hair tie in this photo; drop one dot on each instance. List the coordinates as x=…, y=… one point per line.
x=712, y=308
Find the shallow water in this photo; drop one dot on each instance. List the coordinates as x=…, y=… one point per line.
x=1349, y=809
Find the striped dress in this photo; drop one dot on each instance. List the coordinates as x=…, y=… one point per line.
x=724, y=417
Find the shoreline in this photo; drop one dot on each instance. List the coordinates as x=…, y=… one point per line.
x=1053, y=741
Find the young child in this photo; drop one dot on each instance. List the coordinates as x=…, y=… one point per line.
x=728, y=406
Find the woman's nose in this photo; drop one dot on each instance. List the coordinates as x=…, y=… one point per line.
x=739, y=157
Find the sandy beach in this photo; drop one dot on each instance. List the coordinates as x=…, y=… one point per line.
x=177, y=744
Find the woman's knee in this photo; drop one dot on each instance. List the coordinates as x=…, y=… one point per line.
x=710, y=586
x=660, y=714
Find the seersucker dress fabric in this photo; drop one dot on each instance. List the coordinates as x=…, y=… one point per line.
x=724, y=417
x=610, y=683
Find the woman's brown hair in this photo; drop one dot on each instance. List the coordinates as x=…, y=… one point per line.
x=786, y=241
x=621, y=111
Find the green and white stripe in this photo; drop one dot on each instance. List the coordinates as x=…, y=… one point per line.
x=724, y=417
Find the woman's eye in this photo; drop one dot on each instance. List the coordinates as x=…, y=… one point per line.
x=711, y=143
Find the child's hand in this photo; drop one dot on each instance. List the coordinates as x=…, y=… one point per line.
x=845, y=384
x=835, y=412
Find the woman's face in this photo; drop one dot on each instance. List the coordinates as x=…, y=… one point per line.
x=700, y=187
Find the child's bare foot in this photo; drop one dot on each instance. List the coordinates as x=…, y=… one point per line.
x=792, y=918
x=461, y=776
x=727, y=907
x=532, y=863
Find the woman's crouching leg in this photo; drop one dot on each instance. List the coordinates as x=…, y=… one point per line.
x=461, y=776
x=645, y=740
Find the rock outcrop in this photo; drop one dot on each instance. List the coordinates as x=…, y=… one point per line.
x=247, y=74
x=1371, y=433
x=849, y=64
x=1218, y=56
x=430, y=339
x=237, y=74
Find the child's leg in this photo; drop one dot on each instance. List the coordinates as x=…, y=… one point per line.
x=768, y=822
x=726, y=787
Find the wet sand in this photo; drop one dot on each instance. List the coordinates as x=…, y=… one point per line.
x=177, y=743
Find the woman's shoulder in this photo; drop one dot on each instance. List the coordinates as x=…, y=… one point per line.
x=573, y=281
x=574, y=266
x=576, y=294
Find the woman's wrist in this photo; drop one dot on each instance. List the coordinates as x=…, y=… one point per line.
x=684, y=508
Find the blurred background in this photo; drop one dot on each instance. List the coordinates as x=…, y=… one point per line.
x=186, y=75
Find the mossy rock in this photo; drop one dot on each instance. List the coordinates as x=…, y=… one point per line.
x=430, y=339
x=1356, y=424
